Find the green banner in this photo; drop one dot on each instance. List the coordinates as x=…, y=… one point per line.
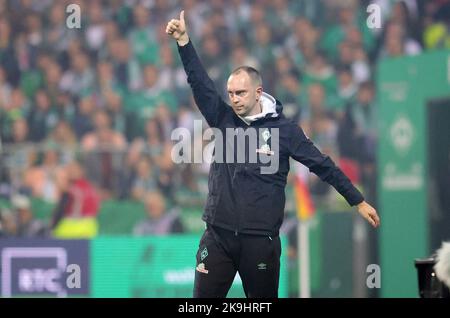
x=405, y=85
x=153, y=267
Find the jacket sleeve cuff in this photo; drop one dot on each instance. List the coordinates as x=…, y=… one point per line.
x=355, y=199
x=186, y=51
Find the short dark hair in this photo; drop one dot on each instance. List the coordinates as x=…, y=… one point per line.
x=252, y=72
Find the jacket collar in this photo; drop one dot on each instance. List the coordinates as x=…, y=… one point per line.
x=271, y=108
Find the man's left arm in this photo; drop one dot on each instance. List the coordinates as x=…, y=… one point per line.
x=303, y=150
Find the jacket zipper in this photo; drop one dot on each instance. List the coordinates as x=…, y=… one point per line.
x=239, y=200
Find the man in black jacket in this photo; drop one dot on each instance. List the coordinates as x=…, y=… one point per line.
x=245, y=204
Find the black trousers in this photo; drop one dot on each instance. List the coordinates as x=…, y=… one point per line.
x=221, y=254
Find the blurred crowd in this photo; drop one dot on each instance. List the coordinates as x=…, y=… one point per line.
x=110, y=93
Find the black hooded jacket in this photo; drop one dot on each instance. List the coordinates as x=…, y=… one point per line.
x=241, y=197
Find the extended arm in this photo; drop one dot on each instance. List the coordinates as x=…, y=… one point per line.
x=206, y=96
x=304, y=151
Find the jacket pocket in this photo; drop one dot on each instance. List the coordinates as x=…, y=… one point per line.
x=264, y=208
x=257, y=209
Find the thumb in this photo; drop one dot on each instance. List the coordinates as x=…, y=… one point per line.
x=182, y=16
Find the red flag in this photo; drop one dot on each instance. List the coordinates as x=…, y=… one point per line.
x=303, y=199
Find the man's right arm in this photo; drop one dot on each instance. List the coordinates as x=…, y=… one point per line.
x=206, y=96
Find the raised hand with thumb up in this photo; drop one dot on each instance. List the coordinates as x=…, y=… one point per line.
x=177, y=29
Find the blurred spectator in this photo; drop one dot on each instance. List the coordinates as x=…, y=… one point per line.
x=212, y=54
x=171, y=74
x=26, y=224
x=8, y=224
x=166, y=120
x=364, y=113
x=15, y=110
x=42, y=179
x=79, y=79
x=280, y=16
x=58, y=36
x=320, y=126
x=122, y=122
x=126, y=67
x=405, y=13
x=63, y=138
x=265, y=51
x=360, y=66
x=5, y=89
x=144, y=102
x=320, y=71
x=33, y=39
x=357, y=137
x=145, y=180
x=316, y=104
x=7, y=55
x=53, y=79
x=160, y=220
x=103, y=153
x=346, y=92
x=41, y=118
x=397, y=42
x=2, y=229
x=289, y=90
x=19, y=155
x=76, y=212
x=240, y=56
x=297, y=38
x=347, y=20
x=95, y=33
x=143, y=37
x=152, y=144
x=82, y=120
x=105, y=77
x=436, y=33
x=166, y=173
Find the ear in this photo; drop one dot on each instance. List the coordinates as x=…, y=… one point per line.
x=259, y=91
